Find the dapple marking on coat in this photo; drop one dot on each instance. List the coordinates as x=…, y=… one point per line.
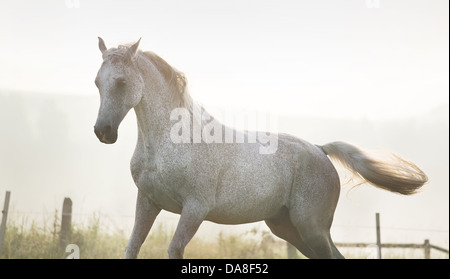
x=295, y=190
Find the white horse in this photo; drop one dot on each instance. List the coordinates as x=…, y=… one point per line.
x=294, y=190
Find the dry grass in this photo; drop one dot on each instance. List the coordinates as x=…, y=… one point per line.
x=97, y=241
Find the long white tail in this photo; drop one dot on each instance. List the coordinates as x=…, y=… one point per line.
x=399, y=176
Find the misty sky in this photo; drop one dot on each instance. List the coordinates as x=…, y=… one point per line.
x=360, y=58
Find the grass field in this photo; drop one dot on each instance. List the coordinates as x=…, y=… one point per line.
x=27, y=239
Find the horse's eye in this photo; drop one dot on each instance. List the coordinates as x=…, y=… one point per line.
x=120, y=81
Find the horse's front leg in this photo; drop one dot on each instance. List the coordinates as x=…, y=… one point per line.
x=192, y=215
x=146, y=213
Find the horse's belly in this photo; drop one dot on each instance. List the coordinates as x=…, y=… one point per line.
x=237, y=205
x=231, y=217
x=251, y=191
x=233, y=214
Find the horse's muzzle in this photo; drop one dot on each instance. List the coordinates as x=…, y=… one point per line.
x=106, y=134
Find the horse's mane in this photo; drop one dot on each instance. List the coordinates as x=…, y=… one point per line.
x=176, y=79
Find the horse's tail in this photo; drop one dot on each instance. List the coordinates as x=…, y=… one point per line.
x=398, y=175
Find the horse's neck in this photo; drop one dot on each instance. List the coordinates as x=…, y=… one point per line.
x=153, y=117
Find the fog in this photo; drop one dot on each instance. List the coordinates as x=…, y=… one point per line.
x=48, y=151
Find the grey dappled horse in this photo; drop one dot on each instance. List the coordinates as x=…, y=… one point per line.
x=294, y=190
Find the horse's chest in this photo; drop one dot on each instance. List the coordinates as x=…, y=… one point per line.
x=159, y=185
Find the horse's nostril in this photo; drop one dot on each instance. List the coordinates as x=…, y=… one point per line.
x=99, y=132
x=105, y=133
x=107, y=129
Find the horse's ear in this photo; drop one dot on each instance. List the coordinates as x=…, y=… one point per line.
x=101, y=45
x=131, y=52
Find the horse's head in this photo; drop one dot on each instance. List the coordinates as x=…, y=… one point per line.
x=121, y=87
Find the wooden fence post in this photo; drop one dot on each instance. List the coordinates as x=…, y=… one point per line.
x=427, y=248
x=377, y=219
x=4, y=216
x=66, y=223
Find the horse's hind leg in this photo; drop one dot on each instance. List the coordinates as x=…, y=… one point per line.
x=315, y=234
x=313, y=200
x=320, y=243
x=281, y=226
